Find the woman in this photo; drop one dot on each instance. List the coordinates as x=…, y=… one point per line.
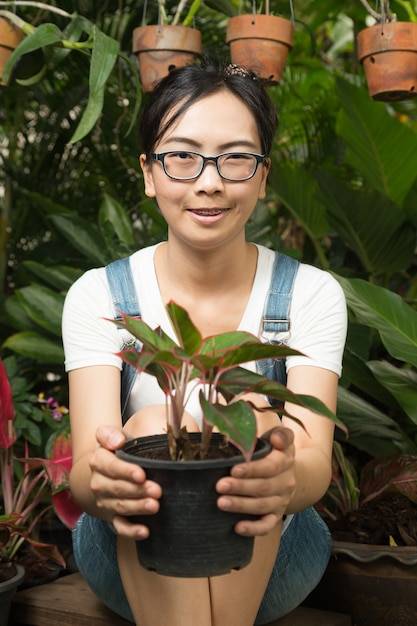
x=206, y=138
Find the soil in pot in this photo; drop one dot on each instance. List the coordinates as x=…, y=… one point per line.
x=390, y=516
x=189, y=536
x=37, y=570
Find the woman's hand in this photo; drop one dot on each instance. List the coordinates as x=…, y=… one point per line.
x=121, y=488
x=264, y=487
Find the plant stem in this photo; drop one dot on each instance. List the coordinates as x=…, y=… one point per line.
x=385, y=15
x=38, y=5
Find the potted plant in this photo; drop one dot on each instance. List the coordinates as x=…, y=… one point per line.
x=388, y=54
x=10, y=37
x=261, y=42
x=25, y=483
x=179, y=457
x=371, y=505
x=162, y=47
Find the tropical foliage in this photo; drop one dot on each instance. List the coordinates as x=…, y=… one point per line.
x=342, y=191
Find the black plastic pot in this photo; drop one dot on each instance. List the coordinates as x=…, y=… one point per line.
x=190, y=536
x=7, y=591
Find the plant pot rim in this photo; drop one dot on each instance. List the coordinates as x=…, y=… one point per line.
x=367, y=553
x=181, y=466
x=384, y=37
x=260, y=26
x=15, y=580
x=166, y=37
x=11, y=35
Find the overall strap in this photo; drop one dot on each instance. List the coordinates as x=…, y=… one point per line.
x=276, y=317
x=122, y=287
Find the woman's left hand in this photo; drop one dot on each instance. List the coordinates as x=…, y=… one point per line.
x=264, y=487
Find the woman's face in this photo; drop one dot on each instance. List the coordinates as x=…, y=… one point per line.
x=208, y=211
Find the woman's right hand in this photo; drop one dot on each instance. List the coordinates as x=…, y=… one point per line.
x=120, y=488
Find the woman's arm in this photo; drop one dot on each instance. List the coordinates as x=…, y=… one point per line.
x=102, y=484
x=298, y=470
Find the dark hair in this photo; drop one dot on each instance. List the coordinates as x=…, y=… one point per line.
x=192, y=83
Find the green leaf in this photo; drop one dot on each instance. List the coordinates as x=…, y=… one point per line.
x=112, y=212
x=379, y=145
x=236, y=420
x=59, y=276
x=297, y=189
x=401, y=382
x=36, y=346
x=369, y=223
x=85, y=237
x=43, y=306
x=44, y=35
x=387, y=312
x=90, y=116
x=187, y=334
x=371, y=430
x=103, y=58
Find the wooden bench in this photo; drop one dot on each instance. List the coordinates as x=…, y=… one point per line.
x=68, y=601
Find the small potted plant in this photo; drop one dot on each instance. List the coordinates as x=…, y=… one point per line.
x=190, y=536
x=373, y=521
x=25, y=484
x=167, y=45
x=261, y=43
x=388, y=54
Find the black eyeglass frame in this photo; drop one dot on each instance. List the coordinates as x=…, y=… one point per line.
x=160, y=156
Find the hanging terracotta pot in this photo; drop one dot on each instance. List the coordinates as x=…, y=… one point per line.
x=10, y=37
x=161, y=49
x=388, y=53
x=260, y=43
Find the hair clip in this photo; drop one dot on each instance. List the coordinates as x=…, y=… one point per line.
x=235, y=70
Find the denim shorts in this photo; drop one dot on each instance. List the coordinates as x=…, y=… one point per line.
x=302, y=559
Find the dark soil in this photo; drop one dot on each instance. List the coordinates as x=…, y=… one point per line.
x=7, y=571
x=392, y=515
x=36, y=569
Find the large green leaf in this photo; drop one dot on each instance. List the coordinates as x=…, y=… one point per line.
x=59, y=276
x=370, y=430
x=83, y=236
x=401, y=382
x=90, y=116
x=103, y=58
x=113, y=213
x=369, y=223
x=43, y=306
x=387, y=312
x=36, y=346
x=379, y=145
x=44, y=35
x=297, y=189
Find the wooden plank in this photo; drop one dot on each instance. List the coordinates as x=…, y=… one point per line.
x=303, y=616
x=68, y=601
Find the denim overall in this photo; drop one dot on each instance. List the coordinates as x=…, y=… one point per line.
x=305, y=544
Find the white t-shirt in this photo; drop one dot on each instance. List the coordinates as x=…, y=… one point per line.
x=317, y=314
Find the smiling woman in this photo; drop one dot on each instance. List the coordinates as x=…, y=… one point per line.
x=206, y=135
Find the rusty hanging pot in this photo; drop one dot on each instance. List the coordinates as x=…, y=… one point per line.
x=388, y=53
x=10, y=37
x=163, y=48
x=260, y=43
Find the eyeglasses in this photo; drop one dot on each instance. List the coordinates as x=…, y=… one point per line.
x=236, y=166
